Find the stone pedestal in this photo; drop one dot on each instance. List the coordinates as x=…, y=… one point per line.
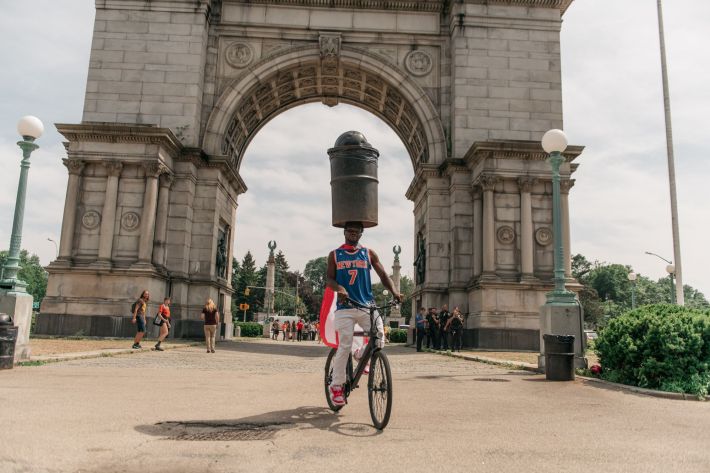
x=563, y=319
x=19, y=307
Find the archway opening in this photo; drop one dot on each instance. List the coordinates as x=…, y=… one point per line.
x=287, y=171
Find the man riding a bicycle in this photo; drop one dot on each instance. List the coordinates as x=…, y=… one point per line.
x=348, y=274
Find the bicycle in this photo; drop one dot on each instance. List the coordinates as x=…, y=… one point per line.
x=379, y=382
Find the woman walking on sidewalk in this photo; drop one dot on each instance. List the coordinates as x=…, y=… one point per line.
x=210, y=315
x=164, y=316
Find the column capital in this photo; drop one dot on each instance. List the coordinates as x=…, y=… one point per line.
x=74, y=166
x=488, y=182
x=154, y=169
x=566, y=185
x=113, y=167
x=166, y=179
x=525, y=183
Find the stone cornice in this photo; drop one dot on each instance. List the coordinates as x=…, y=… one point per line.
x=519, y=150
x=202, y=6
x=224, y=164
x=423, y=172
x=121, y=133
x=562, y=5
x=452, y=166
x=401, y=5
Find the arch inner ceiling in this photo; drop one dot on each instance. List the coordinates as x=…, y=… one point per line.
x=311, y=81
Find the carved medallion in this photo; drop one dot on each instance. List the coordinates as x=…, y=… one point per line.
x=543, y=236
x=130, y=221
x=329, y=45
x=418, y=63
x=506, y=234
x=239, y=55
x=91, y=219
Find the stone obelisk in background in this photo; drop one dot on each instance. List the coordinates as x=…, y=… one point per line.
x=396, y=315
x=270, y=278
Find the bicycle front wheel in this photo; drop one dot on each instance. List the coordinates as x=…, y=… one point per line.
x=379, y=389
x=329, y=379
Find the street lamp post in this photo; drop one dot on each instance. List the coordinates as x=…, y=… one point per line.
x=632, y=278
x=554, y=142
x=670, y=269
x=30, y=128
x=561, y=314
x=56, y=248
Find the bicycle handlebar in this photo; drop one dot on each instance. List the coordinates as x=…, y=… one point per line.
x=368, y=307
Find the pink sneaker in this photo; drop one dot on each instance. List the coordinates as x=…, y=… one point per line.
x=337, y=395
x=366, y=369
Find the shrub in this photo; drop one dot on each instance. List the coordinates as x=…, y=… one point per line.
x=662, y=346
x=251, y=329
x=398, y=335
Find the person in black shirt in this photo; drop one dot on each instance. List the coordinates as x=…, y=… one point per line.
x=443, y=328
x=433, y=338
x=455, y=325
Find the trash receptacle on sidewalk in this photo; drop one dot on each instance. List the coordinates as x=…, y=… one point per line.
x=559, y=357
x=8, y=339
x=237, y=331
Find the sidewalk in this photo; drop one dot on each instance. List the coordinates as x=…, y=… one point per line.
x=48, y=350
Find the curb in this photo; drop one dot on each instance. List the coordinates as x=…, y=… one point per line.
x=45, y=359
x=533, y=368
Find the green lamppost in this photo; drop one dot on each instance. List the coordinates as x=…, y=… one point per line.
x=30, y=128
x=554, y=142
x=632, y=278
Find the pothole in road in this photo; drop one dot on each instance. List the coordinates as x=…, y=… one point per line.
x=207, y=431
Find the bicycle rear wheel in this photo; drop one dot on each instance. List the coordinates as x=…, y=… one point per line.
x=329, y=378
x=379, y=390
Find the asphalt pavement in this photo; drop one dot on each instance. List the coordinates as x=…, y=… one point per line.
x=259, y=406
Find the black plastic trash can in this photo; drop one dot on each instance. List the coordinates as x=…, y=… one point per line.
x=8, y=339
x=559, y=357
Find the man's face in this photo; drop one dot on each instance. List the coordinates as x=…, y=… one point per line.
x=445, y=307
x=352, y=234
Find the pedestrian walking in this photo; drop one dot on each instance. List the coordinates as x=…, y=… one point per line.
x=299, y=330
x=138, y=317
x=210, y=315
x=164, y=316
x=456, y=327
x=312, y=331
x=286, y=327
x=443, y=327
x=420, y=327
x=293, y=330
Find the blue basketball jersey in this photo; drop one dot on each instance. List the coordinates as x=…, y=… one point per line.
x=352, y=271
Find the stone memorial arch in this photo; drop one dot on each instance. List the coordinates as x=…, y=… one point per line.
x=177, y=89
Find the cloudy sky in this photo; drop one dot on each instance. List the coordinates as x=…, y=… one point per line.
x=612, y=102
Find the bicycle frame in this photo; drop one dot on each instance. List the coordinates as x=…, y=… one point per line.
x=371, y=346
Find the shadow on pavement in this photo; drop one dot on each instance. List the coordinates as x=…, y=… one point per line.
x=276, y=348
x=258, y=427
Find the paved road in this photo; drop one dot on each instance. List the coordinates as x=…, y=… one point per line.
x=260, y=407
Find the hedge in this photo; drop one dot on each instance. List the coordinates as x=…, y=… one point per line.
x=398, y=335
x=662, y=346
x=251, y=329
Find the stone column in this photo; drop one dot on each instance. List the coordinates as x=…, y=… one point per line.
x=565, y=186
x=150, y=201
x=75, y=166
x=477, y=231
x=270, y=282
x=395, y=313
x=161, y=223
x=488, y=184
x=526, y=228
x=108, y=216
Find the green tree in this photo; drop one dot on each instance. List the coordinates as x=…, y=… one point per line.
x=246, y=275
x=32, y=272
x=314, y=274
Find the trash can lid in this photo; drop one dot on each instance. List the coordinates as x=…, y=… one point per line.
x=5, y=319
x=558, y=338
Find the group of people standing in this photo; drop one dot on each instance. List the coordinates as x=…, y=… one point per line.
x=442, y=330
x=295, y=331
x=209, y=314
